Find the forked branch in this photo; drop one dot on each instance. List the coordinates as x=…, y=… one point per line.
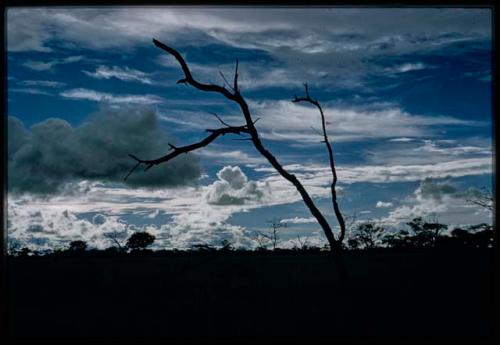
x=249, y=128
x=214, y=134
x=336, y=207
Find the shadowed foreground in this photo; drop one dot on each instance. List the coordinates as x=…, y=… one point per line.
x=388, y=293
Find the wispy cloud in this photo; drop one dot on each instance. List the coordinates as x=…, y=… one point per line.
x=97, y=96
x=299, y=220
x=407, y=67
x=45, y=66
x=43, y=83
x=31, y=91
x=125, y=74
x=284, y=120
x=300, y=40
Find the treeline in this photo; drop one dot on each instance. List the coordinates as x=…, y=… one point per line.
x=363, y=236
x=422, y=234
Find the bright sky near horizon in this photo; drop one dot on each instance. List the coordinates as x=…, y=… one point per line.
x=406, y=94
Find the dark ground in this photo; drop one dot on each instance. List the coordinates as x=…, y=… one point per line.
x=236, y=294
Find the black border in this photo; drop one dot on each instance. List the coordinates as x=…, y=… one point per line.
x=239, y=3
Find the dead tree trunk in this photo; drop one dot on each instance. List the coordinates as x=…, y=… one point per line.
x=249, y=128
x=336, y=208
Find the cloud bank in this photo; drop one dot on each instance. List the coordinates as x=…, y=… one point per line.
x=54, y=152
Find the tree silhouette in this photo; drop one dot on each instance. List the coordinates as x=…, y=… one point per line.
x=273, y=236
x=366, y=235
x=77, y=246
x=140, y=240
x=249, y=128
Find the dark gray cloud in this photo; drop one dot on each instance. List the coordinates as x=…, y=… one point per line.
x=337, y=46
x=54, y=152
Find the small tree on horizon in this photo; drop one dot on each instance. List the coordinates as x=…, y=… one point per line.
x=140, y=240
x=77, y=246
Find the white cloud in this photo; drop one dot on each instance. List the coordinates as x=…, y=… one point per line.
x=320, y=175
x=233, y=188
x=407, y=67
x=231, y=156
x=125, y=74
x=299, y=220
x=30, y=91
x=437, y=199
x=428, y=151
x=45, y=66
x=402, y=140
x=301, y=40
x=382, y=204
x=97, y=96
x=284, y=120
x=43, y=83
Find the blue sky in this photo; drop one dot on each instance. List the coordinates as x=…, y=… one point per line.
x=406, y=94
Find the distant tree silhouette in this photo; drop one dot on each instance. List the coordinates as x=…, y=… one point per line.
x=476, y=236
x=365, y=235
x=425, y=233
x=273, y=236
x=226, y=245
x=400, y=240
x=233, y=94
x=114, y=237
x=77, y=246
x=303, y=244
x=140, y=240
x=203, y=247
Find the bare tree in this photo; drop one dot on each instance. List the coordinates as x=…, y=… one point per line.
x=233, y=94
x=482, y=198
x=114, y=237
x=302, y=243
x=274, y=224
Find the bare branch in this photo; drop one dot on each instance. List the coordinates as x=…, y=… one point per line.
x=336, y=208
x=214, y=134
x=317, y=132
x=135, y=167
x=220, y=119
x=248, y=128
x=188, y=78
x=242, y=139
x=235, y=88
x=225, y=80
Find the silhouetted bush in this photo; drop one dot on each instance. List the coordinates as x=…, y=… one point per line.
x=140, y=240
x=77, y=246
x=366, y=235
x=226, y=245
x=202, y=248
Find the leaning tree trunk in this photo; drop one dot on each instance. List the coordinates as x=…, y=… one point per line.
x=250, y=129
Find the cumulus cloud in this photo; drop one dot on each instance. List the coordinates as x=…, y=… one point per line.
x=54, y=152
x=233, y=188
x=382, y=204
x=438, y=198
